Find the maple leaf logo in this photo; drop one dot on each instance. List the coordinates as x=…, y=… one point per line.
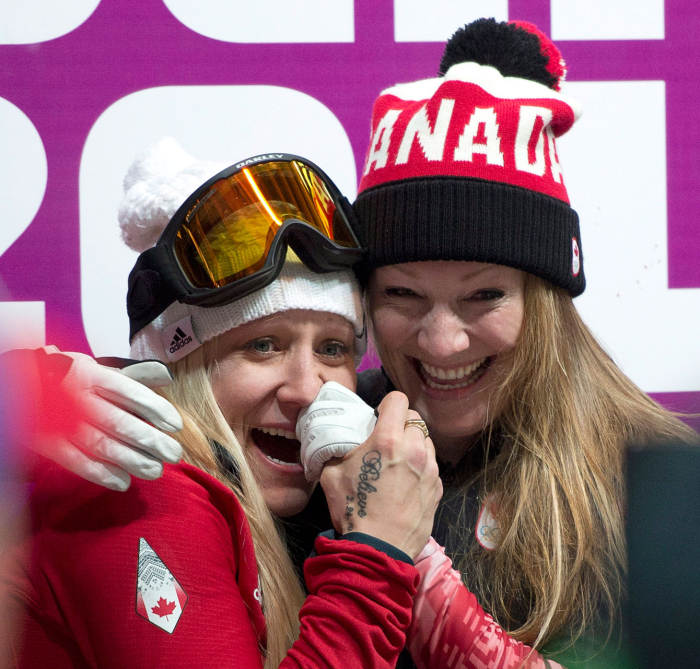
x=163, y=608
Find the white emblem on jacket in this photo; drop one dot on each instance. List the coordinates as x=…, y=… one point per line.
x=488, y=531
x=159, y=597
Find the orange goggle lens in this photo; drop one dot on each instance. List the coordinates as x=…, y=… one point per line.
x=227, y=235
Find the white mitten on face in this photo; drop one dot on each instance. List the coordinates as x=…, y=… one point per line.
x=332, y=425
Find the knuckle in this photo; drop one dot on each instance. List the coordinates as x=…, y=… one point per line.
x=393, y=442
x=413, y=415
x=156, y=443
x=69, y=457
x=419, y=459
x=433, y=468
x=328, y=476
x=91, y=440
x=388, y=442
x=152, y=470
x=103, y=447
x=396, y=397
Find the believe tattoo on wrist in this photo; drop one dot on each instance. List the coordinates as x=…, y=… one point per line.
x=369, y=473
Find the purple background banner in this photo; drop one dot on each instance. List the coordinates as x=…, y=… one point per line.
x=65, y=84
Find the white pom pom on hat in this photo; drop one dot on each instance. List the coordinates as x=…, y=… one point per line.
x=158, y=182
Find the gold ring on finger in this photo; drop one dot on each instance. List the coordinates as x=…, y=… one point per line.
x=420, y=424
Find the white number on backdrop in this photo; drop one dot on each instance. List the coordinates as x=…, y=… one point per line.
x=602, y=19
x=268, y=21
x=23, y=325
x=436, y=20
x=23, y=174
x=31, y=21
x=214, y=123
x=616, y=178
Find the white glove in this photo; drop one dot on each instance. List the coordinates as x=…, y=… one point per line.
x=332, y=425
x=117, y=436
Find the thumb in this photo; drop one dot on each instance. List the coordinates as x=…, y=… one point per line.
x=391, y=413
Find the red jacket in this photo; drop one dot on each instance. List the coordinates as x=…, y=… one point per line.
x=165, y=575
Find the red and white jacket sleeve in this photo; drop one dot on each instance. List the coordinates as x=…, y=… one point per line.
x=450, y=629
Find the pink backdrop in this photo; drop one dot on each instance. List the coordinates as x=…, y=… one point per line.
x=63, y=86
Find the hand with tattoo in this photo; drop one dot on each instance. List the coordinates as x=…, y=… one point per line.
x=389, y=486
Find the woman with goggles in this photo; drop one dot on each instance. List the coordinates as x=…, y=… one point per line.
x=474, y=255
x=191, y=568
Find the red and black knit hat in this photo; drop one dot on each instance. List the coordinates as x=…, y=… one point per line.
x=465, y=166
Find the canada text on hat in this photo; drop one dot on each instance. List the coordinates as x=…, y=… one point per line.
x=473, y=122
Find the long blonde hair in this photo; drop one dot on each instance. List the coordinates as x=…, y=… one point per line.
x=282, y=596
x=563, y=416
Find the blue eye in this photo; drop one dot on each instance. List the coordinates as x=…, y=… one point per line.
x=333, y=349
x=261, y=345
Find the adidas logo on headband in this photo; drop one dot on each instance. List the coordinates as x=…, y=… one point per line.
x=179, y=339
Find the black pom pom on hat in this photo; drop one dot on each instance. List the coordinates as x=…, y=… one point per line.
x=515, y=49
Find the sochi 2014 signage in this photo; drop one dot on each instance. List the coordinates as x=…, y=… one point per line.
x=86, y=85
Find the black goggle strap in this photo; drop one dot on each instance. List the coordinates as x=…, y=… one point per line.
x=154, y=284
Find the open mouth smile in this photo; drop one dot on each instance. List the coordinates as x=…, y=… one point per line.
x=452, y=378
x=278, y=445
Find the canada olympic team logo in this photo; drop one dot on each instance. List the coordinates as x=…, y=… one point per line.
x=575, y=257
x=488, y=531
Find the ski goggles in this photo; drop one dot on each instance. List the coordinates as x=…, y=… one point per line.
x=230, y=237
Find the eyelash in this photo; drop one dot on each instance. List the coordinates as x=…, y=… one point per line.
x=486, y=295
x=251, y=345
x=399, y=292
x=342, y=349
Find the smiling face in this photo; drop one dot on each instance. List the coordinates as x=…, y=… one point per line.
x=443, y=329
x=264, y=373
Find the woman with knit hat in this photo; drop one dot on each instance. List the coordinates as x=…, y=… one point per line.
x=191, y=568
x=474, y=256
